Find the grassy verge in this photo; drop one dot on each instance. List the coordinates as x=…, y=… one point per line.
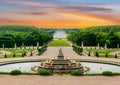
x=102, y=52
x=17, y=52
x=59, y=43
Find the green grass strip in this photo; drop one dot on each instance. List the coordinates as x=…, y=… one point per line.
x=59, y=43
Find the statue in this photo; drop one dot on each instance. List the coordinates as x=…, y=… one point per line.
x=42, y=63
x=82, y=45
x=15, y=46
x=3, y=46
x=60, y=55
x=79, y=64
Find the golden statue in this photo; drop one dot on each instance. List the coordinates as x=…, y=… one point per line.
x=51, y=63
x=42, y=63
x=69, y=64
x=79, y=63
x=33, y=68
x=87, y=68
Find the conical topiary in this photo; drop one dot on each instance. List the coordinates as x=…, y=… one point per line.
x=5, y=55
x=116, y=56
x=97, y=54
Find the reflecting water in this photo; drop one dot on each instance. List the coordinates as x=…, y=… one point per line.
x=59, y=34
x=99, y=67
x=26, y=67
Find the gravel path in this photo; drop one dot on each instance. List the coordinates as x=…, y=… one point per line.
x=53, y=52
x=58, y=80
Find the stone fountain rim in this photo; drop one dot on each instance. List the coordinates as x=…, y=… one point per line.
x=39, y=60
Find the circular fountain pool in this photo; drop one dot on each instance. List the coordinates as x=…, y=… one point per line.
x=94, y=67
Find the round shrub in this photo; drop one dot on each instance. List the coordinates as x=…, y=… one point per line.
x=107, y=73
x=76, y=73
x=44, y=72
x=15, y=72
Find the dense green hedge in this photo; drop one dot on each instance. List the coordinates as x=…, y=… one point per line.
x=108, y=73
x=76, y=73
x=77, y=49
x=44, y=72
x=42, y=49
x=15, y=72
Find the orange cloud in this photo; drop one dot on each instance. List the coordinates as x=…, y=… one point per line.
x=50, y=24
x=85, y=17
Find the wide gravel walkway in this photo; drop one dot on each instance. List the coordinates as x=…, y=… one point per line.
x=58, y=80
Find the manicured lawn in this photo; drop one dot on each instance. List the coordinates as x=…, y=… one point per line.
x=103, y=52
x=17, y=52
x=59, y=43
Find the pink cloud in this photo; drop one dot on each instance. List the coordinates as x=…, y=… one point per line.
x=33, y=13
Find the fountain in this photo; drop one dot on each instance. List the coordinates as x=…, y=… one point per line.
x=60, y=65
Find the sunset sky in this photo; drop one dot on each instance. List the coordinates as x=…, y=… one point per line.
x=60, y=13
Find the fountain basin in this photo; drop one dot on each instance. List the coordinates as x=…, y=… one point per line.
x=94, y=67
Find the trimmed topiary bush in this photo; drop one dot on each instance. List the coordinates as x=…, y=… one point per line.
x=24, y=53
x=15, y=72
x=5, y=55
x=31, y=54
x=108, y=73
x=14, y=55
x=44, y=72
x=96, y=54
x=106, y=55
x=116, y=56
x=76, y=73
x=89, y=54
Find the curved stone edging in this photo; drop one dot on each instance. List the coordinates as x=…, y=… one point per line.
x=38, y=60
x=102, y=62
